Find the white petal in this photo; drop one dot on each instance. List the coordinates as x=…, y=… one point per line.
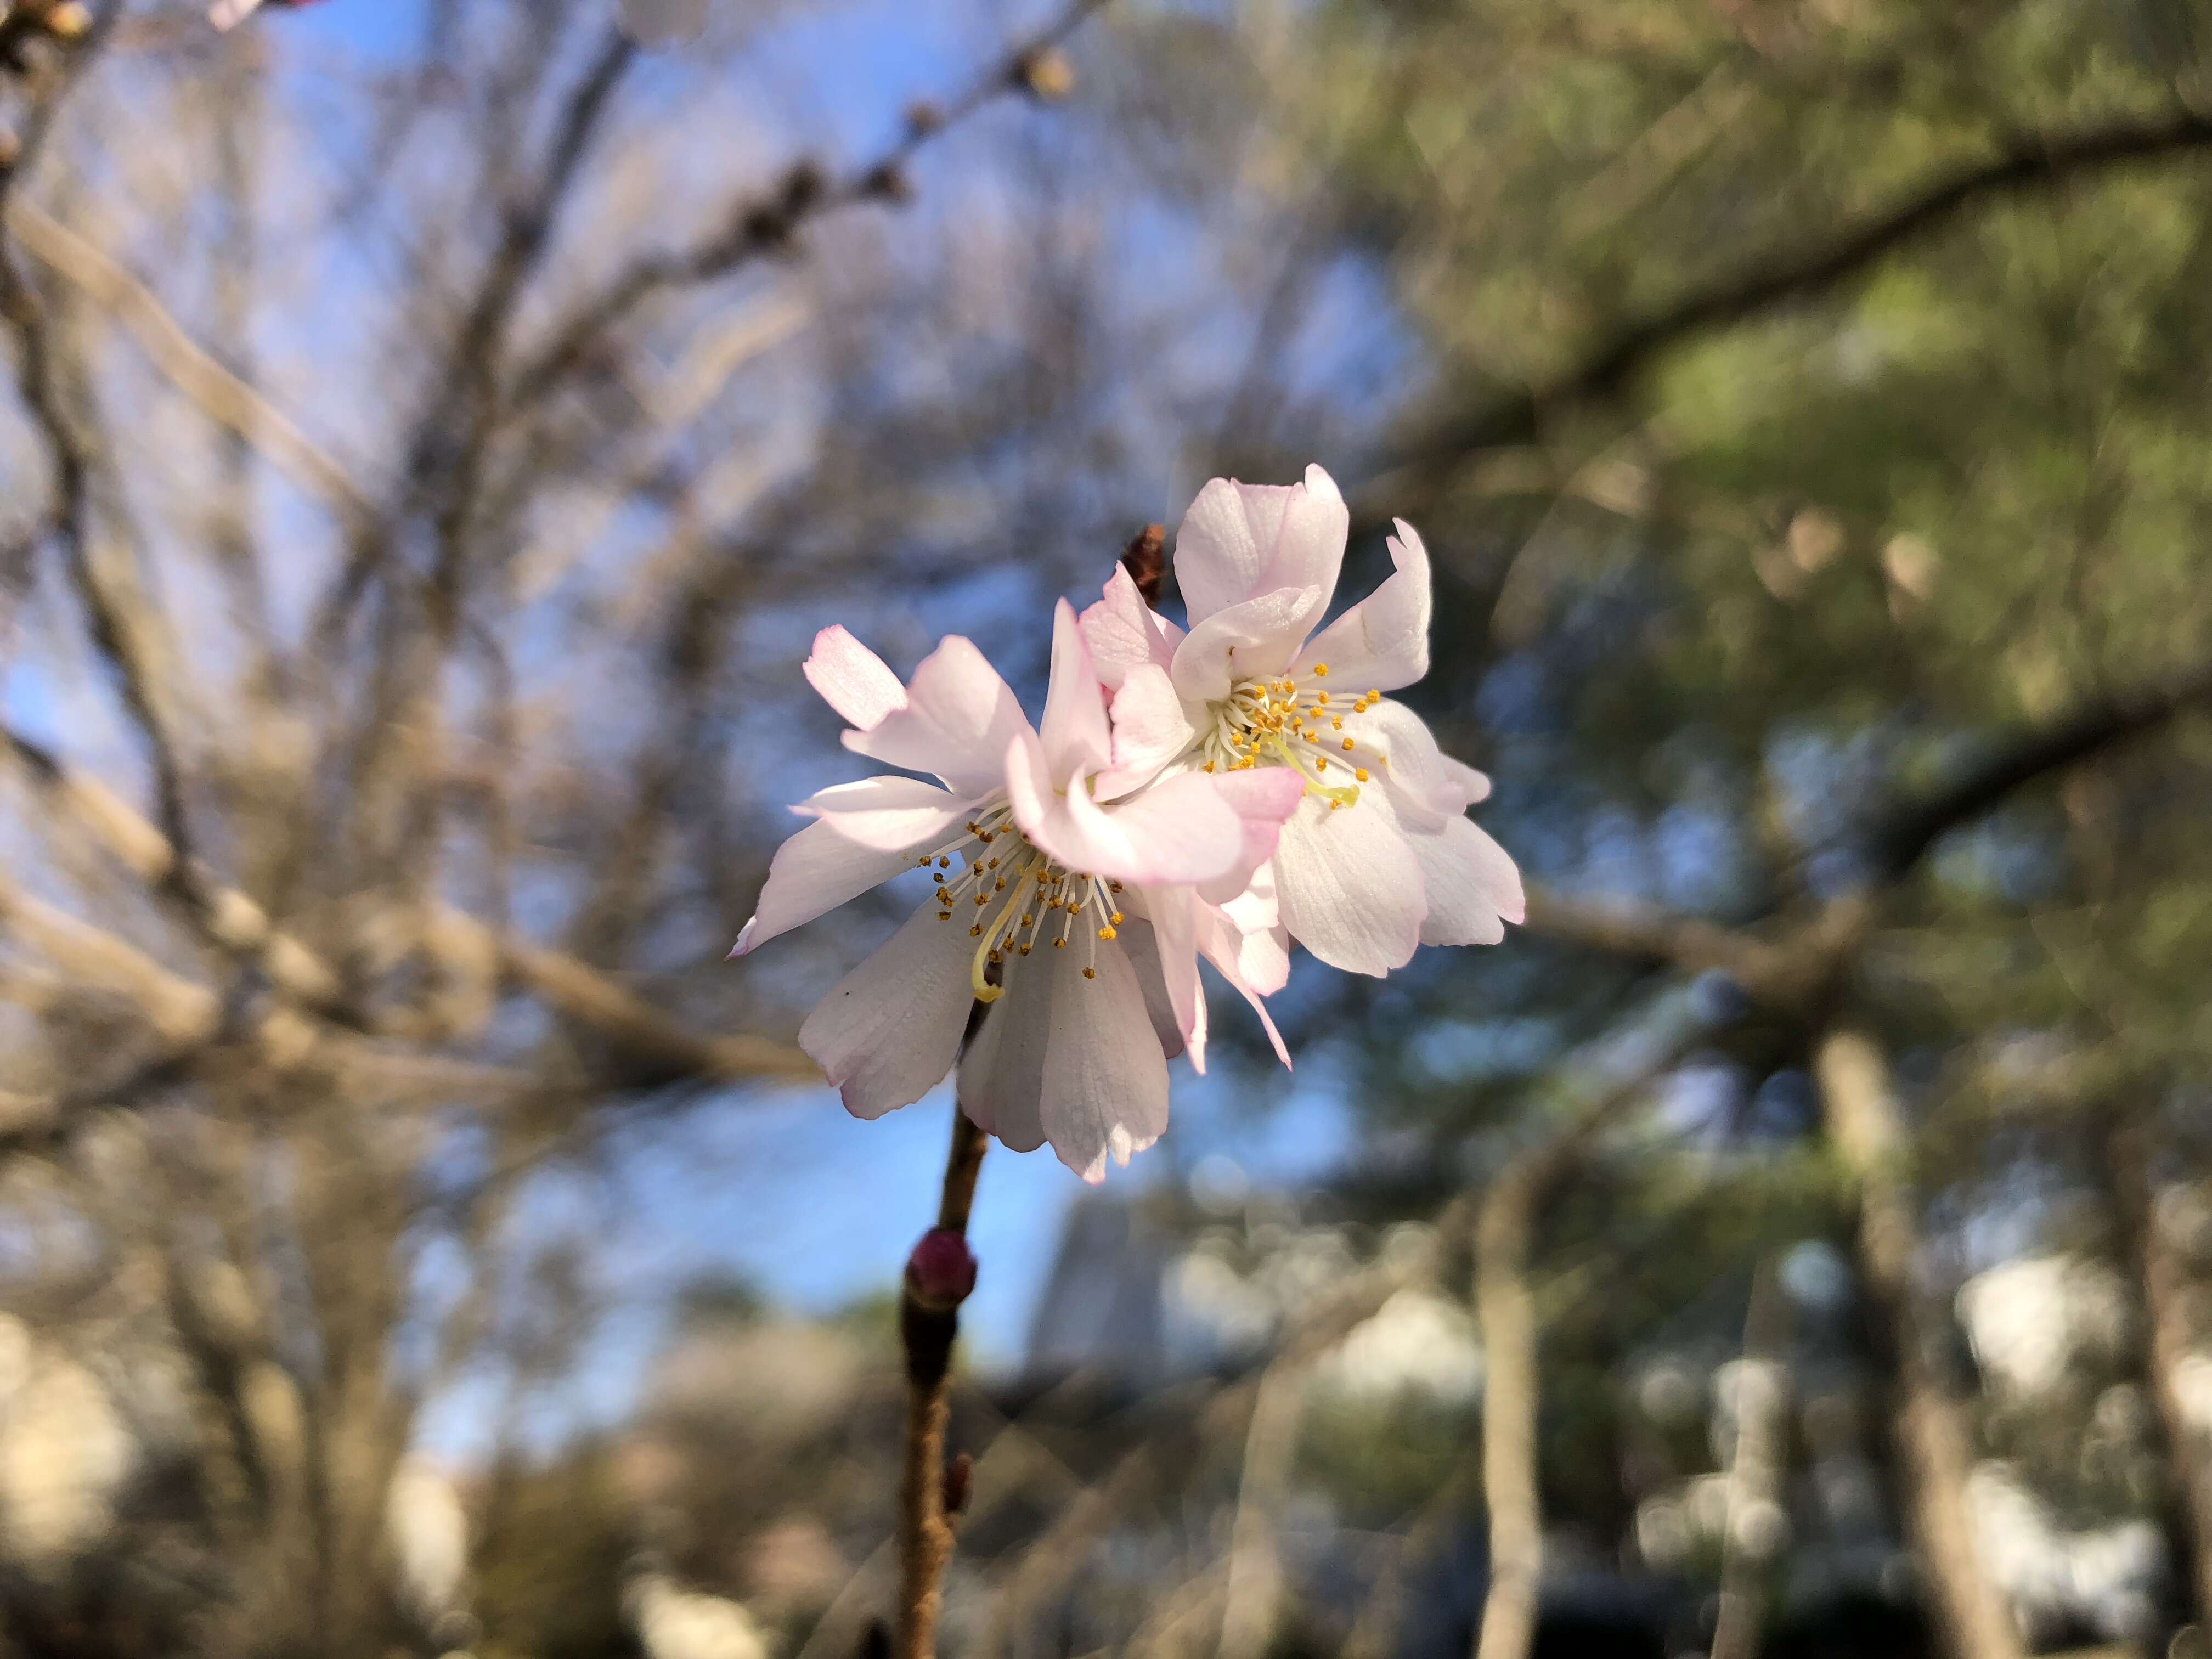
x=889, y=813
x=1150, y=730
x=1349, y=886
x=1140, y=940
x=1174, y=963
x=853, y=679
x=887, y=1032
x=1239, y=540
x=1474, y=785
x=1472, y=887
x=1001, y=1084
x=815, y=871
x=1078, y=737
x=959, y=716
x=1254, y=639
x=1383, y=642
x=1398, y=743
x=1105, y=1079
x=1124, y=633
x=1234, y=956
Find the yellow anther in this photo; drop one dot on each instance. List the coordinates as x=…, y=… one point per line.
x=1115, y=918
x=1336, y=722
x=1373, y=696
x=1060, y=944
x=1025, y=950
x=1347, y=744
x=1321, y=696
x=1209, y=766
x=1361, y=774
x=1114, y=887
x=1321, y=670
x=944, y=915
x=976, y=931
x=999, y=886
x=1091, y=973
x=1106, y=932
x=1333, y=804
x=993, y=864
x=1028, y=921
x=981, y=899
x=944, y=863
x=1321, y=764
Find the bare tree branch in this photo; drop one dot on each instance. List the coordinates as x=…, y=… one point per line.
x=756, y=225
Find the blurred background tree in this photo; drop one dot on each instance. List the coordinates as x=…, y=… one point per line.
x=437, y=431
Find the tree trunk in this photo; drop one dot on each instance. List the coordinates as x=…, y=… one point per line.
x=1935, y=1448
x=1507, y=1313
x=2166, y=1282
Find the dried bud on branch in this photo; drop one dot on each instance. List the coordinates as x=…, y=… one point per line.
x=1145, y=560
x=1047, y=74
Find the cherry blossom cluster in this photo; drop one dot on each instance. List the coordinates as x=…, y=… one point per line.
x=1212, y=792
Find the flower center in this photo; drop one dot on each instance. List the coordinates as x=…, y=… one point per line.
x=1292, y=722
x=1018, y=898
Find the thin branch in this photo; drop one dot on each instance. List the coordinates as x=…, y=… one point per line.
x=759, y=225
x=1904, y=838
x=929, y=1327
x=2044, y=162
x=297, y=972
x=223, y=397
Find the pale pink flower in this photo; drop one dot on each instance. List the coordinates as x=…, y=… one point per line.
x=1379, y=857
x=1086, y=890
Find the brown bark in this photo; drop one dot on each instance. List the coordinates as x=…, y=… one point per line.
x=1935, y=1447
x=925, y=1531
x=1507, y=1313
x=2165, y=1279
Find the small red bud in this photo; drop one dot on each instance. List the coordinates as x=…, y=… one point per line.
x=941, y=1271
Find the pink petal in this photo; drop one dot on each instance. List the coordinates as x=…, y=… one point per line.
x=1383, y=642
x=1180, y=829
x=1263, y=800
x=1124, y=633
x=1238, y=541
x=959, y=717
x=1150, y=730
x=853, y=679
x=1078, y=739
x=814, y=871
x=887, y=1033
x=889, y=813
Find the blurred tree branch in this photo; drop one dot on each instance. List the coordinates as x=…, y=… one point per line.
x=755, y=226
x=1417, y=468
